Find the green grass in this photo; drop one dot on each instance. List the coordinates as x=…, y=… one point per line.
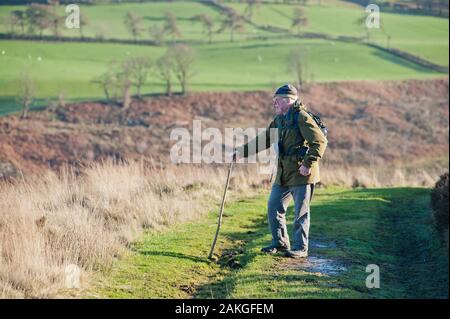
x=387, y=227
x=246, y=64
x=70, y=67
x=424, y=36
x=108, y=20
x=427, y=37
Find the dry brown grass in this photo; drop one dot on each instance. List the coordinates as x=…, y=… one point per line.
x=50, y=221
x=383, y=176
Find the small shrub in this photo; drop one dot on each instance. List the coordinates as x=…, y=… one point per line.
x=439, y=204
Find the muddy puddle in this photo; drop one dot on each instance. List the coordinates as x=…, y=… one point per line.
x=316, y=263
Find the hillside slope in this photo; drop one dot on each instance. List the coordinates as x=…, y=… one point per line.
x=369, y=123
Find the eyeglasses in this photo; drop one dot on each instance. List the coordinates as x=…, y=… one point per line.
x=277, y=100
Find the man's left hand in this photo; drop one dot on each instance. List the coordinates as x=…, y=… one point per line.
x=305, y=171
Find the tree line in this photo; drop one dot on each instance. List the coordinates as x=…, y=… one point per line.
x=231, y=20
x=175, y=65
x=37, y=18
x=117, y=82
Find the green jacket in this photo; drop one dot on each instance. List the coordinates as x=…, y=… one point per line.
x=309, y=134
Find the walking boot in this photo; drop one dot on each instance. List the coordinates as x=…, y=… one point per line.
x=297, y=253
x=273, y=249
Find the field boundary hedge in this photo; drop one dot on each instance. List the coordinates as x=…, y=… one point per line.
x=412, y=58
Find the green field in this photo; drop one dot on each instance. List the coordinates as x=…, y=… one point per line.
x=107, y=20
x=350, y=229
x=247, y=63
x=68, y=68
x=424, y=36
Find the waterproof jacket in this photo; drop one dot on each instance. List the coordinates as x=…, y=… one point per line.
x=292, y=137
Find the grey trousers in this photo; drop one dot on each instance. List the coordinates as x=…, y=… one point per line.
x=279, y=199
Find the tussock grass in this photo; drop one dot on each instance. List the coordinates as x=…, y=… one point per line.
x=383, y=176
x=51, y=221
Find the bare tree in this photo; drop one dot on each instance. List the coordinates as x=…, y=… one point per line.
x=39, y=16
x=133, y=24
x=171, y=26
x=121, y=77
x=140, y=68
x=55, y=21
x=183, y=58
x=125, y=82
x=107, y=82
x=157, y=33
x=51, y=17
x=20, y=18
x=207, y=22
x=26, y=93
x=251, y=4
x=232, y=21
x=43, y=22
x=298, y=65
x=165, y=70
x=299, y=19
x=10, y=21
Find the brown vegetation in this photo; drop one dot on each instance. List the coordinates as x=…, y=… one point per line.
x=53, y=222
x=371, y=124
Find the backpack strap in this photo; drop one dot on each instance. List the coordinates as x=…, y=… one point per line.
x=296, y=117
x=316, y=118
x=293, y=125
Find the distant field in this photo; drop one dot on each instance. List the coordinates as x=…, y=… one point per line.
x=107, y=20
x=425, y=36
x=70, y=67
x=245, y=64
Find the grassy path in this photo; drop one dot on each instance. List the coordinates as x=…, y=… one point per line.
x=350, y=229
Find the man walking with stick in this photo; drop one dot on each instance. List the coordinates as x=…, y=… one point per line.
x=301, y=144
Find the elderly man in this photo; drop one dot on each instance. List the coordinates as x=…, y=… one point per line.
x=301, y=144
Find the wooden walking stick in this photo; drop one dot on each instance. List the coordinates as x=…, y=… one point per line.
x=219, y=223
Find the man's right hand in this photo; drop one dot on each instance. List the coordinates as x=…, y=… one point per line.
x=305, y=171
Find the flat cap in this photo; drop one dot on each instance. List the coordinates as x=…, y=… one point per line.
x=287, y=90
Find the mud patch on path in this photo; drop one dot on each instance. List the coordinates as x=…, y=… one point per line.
x=315, y=264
